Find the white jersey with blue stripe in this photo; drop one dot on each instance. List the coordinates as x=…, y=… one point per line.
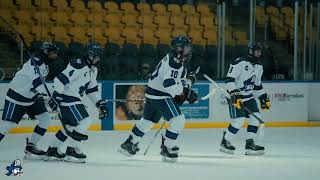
x=26, y=83
x=75, y=81
x=167, y=80
x=246, y=77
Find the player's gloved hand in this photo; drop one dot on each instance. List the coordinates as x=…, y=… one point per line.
x=187, y=95
x=236, y=98
x=55, y=101
x=103, y=110
x=265, y=103
x=40, y=96
x=192, y=96
x=192, y=77
x=179, y=99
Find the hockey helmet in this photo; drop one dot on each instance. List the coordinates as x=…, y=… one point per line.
x=254, y=47
x=94, y=52
x=46, y=48
x=182, y=47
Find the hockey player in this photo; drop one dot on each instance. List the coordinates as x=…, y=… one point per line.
x=243, y=82
x=77, y=79
x=25, y=96
x=167, y=89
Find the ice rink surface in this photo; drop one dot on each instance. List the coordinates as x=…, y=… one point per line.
x=291, y=154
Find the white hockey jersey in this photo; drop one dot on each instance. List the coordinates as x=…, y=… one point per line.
x=167, y=80
x=246, y=77
x=75, y=81
x=26, y=83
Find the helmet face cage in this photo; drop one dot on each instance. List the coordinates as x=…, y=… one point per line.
x=49, y=47
x=94, y=52
x=182, y=46
x=254, y=47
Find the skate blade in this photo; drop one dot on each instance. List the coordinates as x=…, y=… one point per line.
x=169, y=160
x=254, y=153
x=74, y=160
x=47, y=158
x=124, y=152
x=29, y=156
x=224, y=150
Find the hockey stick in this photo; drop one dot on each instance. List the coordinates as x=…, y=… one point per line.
x=203, y=98
x=226, y=93
x=154, y=137
x=74, y=136
x=212, y=92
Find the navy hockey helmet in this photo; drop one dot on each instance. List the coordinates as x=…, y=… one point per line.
x=93, y=52
x=182, y=47
x=254, y=50
x=254, y=47
x=46, y=48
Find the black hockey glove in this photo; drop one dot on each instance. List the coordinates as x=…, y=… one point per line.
x=103, y=110
x=193, y=77
x=265, y=103
x=179, y=99
x=236, y=98
x=187, y=95
x=192, y=96
x=55, y=101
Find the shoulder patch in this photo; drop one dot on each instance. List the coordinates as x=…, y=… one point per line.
x=238, y=60
x=77, y=63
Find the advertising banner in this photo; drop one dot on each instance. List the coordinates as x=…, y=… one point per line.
x=133, y=110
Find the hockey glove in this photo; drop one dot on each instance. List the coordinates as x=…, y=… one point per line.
x=55, y=101
x=187, y=95
x=193, y=77
x=236, y=98
x=179, y=99
x=192, y=97
x=265, y=103
x=103, y=110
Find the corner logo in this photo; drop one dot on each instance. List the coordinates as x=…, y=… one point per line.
x=15, y=168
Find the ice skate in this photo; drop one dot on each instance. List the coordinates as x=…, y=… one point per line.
x=253, y=149
x=53, y=154
x=32, y=152
x=169, y=154
x=128, y=148
x=226, y=146
x=75, y=155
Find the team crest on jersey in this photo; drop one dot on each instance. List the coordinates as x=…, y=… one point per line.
x=246, y=68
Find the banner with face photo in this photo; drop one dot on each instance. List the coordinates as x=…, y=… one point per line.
x=133, y=110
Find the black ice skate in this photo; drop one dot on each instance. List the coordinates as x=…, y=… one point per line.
x=169, y=154
x=253, y=149
x=75, y=155
x=53, y=154
x=32, y=152
x=128, y=148
x=226, y=146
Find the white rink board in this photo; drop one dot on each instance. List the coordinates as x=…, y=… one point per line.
x=289, y=102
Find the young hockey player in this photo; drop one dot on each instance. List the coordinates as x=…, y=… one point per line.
x=77, y=79
x=243, y=82
x=167, y=89
x=24, y=96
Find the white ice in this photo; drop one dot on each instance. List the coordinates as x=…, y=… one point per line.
x=291, y=154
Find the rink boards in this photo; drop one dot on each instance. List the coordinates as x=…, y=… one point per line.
x=294, y=104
